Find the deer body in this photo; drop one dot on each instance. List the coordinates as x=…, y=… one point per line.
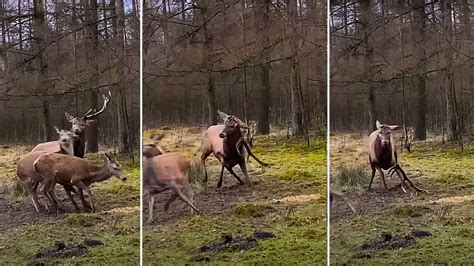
x=59, y=168
x=28, y=176
x=383, y=155
x=166, y=172
x=227, y=144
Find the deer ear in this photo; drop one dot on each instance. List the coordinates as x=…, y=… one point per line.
x=394, y=127
x=69, y=117
x=57, y=129
x=223, y=115
x=378, y=124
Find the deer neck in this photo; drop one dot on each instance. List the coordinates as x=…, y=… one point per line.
x=80, y=145
x=99, y=174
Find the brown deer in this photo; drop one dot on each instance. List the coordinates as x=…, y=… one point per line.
x=227, y=144
x=30, y=179
x=383, y=155
x=79, y=125
x=69, y=170
x=162, y=172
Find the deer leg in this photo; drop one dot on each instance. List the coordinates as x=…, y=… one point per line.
x=151, y=202
x=243, y=167
x=373, y=175
x=184, y=197
x=189, y=192
x=382, y=176
x=203, y=162
x=400, y=171
x=82, y=186
x=219, y=184
x=68, y=193
x=234, y=174
x=47, y=196
x=33, y=195
x=85, y=205
x=173, y=197
x=58, y=204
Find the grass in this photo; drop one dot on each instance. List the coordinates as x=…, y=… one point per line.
x=116, y=224
x=446, y=172
x=353, y=176
x=300, y=228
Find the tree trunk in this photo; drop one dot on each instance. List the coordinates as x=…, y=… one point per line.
x=91, y=52
x=366, y=15
x=41, y=65
x=125, y=145
x=420, y=80
x=206, y=60
x=451, y=117
x=262, y=10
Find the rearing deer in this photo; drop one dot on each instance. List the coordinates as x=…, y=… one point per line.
x=30, y=179
x=79, y=125
x=227, y=144
x=383, y=155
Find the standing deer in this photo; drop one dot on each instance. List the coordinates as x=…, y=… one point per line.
x=79, y=125
x=30, y=179
x=383, y=155
x=69, y=170
x=162, y=172
x=227, y=144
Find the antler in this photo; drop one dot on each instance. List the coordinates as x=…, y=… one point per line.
x=95, y=113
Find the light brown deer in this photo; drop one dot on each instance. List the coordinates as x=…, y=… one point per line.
x=383, y=155
x=30, y=179
x=79, y=125
x=162, y=172
x=66, y=170
x=227, y=144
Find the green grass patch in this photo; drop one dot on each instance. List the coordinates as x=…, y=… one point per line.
x=353, y=176
x=251, y=210
x=408, y=210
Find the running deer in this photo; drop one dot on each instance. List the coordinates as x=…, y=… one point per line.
x=227, y=144
x=79, y=125
x=69, y=170
x=30, y=179
x=162, y=172
x=383, y=155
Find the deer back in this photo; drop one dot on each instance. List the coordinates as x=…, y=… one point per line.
x=50, y=146
x=64, y=168
x=170, y=166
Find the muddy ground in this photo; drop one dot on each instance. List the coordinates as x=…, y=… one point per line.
x=446, y=211
x=24, y=232
x=286, y=200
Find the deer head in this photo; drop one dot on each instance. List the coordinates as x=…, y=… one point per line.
x=79, y=124
x=66, y=140
x=231, y=122
x=384, y=132
x=115, y=168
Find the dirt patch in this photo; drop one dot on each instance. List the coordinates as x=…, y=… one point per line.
x=390, y=241
x=454, y=200
x=61, y=250
x=299, y=198
x=227, y=243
